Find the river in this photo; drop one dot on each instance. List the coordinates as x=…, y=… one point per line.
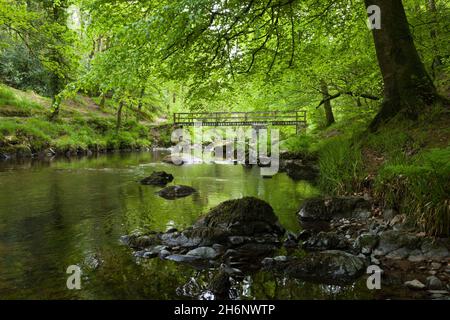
x=62, y=212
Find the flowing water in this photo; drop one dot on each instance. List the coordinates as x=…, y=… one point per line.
x=64, y=212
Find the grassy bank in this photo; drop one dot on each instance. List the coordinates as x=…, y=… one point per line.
x=404, y=166
x=25, y=128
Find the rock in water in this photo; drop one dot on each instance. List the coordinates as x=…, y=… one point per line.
x=434, y=283
x=327, y=241
x=330, y=267
x=158, y=178
x=298, y=170
x=220, y=285
x=176, y=160
x=248, y=216
x=241, y=231
x=393, y=240
x=415, y=284
x=203, y=253
x=325, y=209
x=249, y=219
x=177, y=191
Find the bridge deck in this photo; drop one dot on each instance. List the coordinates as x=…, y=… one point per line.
x=254, y=118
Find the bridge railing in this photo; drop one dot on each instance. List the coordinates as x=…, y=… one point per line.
x=241, y=118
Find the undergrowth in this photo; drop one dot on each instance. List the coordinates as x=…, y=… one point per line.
x=408, y=164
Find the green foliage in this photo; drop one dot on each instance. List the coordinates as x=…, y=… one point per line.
x=420, y=189
x=38, y=43
x=299, y=144
x=341, y=166
x=20, y=69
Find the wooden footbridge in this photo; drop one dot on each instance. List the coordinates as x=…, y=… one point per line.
x=232, y=119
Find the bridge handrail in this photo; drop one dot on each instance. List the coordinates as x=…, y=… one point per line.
x=249, y=116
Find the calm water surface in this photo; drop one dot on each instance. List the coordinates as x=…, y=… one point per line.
x=64, y=212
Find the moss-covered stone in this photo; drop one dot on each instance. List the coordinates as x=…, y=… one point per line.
x=246, y=216
x=158, y=178
x=325, y=209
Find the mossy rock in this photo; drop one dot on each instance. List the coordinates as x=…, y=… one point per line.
x=325, y=209
x=246, y=216
x=157, y=178
x=329, y=267
x=178, y=191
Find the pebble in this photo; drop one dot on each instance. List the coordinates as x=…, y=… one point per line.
x=416, y=258
x=388, y=214
x=280, y=258
x=398, y=254
x=374, y=260
x=415, y=284
x=164, y=253
x=435, y=265
x=434, y=283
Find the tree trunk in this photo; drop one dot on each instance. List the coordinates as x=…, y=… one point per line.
x=437, y=59
x=407, y=87
x=327, y=104
x=56, y=81
x=102, y=101
x=119, y=117
x=139, y=107
x=56, y=102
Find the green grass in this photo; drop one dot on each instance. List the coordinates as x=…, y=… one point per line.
x=13, y=105
x=341, y=166
x=408, y=163
x=25, y=128
x=421, y=189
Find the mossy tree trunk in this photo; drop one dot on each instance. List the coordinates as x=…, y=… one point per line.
x=327, y=104
x=58, y=14
x=139, y=106
x=102, y=101
x=119, y=116
x=407, y=86
x=436, y=66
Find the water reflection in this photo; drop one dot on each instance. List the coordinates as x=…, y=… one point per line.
x=60, y=212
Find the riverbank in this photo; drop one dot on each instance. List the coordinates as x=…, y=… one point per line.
x=403, y=167
x=83, y=127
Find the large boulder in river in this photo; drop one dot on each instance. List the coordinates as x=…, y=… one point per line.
x=325, y=209
x=158, y=178
x=238, y=232
x=330, y=267
x=248, y=216
x=178, y=191
x=231, y=223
